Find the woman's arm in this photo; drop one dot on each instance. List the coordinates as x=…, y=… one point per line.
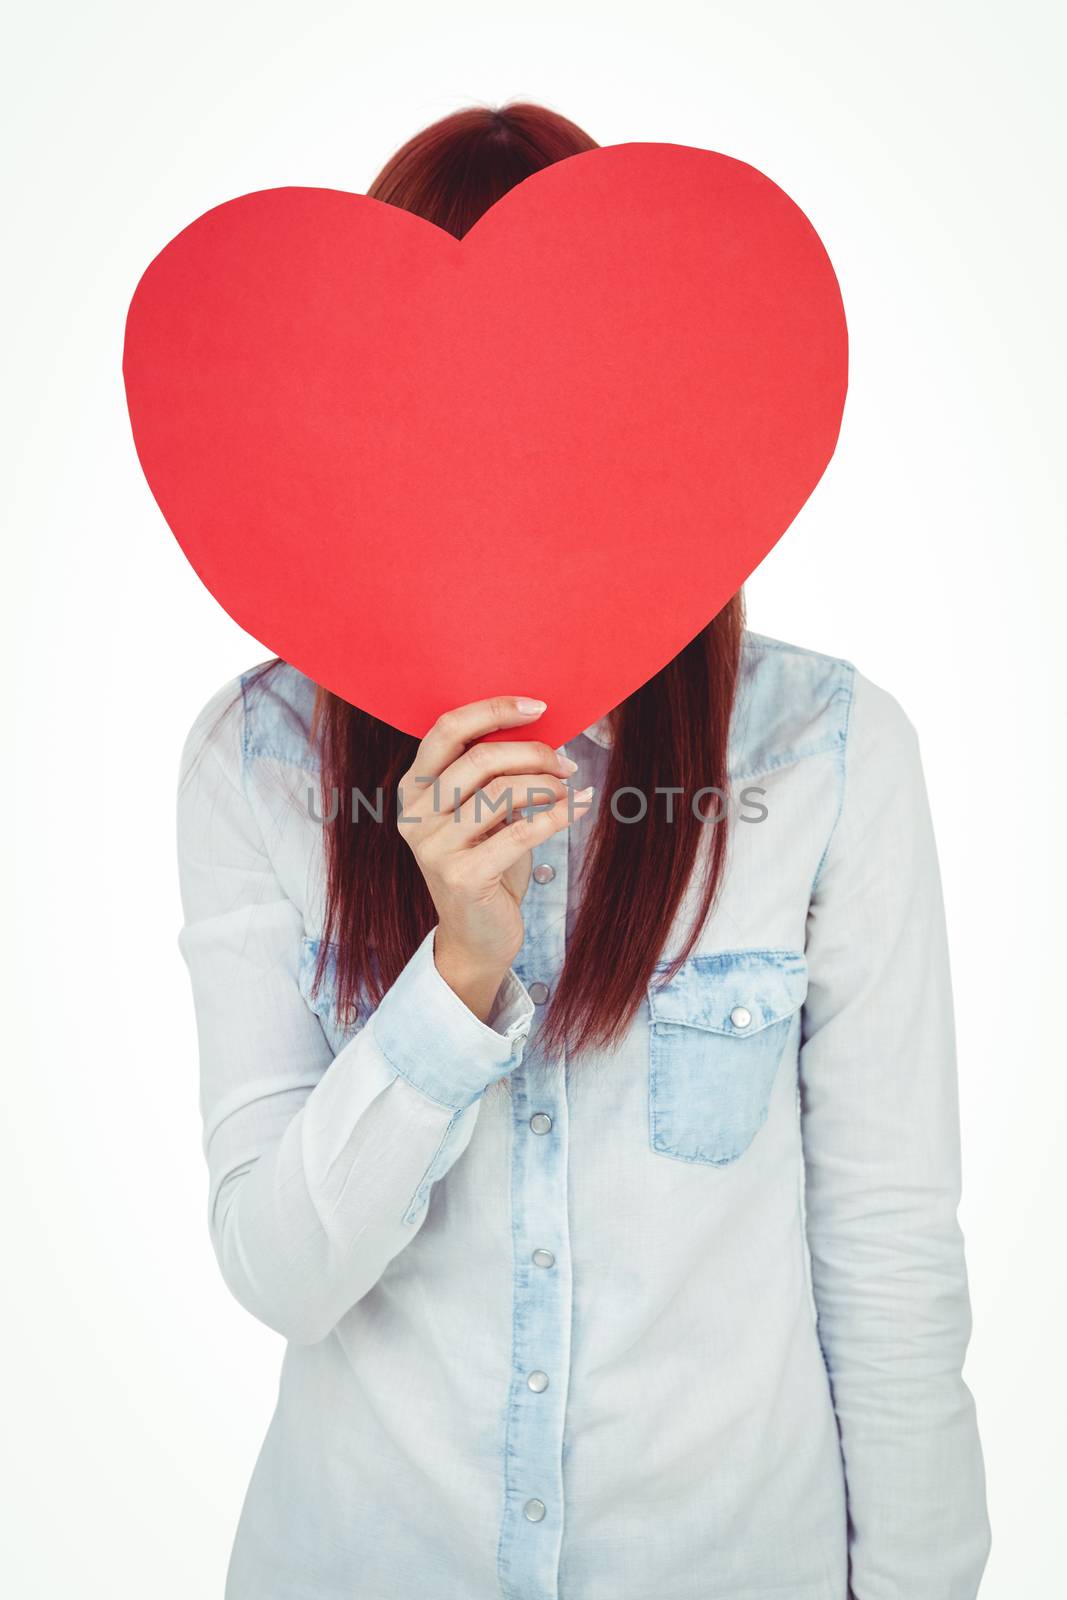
x=314, y=1161
x=880, y=1121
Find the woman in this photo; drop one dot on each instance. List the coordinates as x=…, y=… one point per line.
x=598, y=1158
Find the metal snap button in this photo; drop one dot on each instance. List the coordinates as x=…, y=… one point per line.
x=543, y=1258
x=538, y=1382
x=539, y=993
x=540, y=1122
x=544, y=872
x=740, y=1016
x=534, y=1510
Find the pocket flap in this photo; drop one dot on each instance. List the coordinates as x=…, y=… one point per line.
x=323, y=1001
x=734, y=992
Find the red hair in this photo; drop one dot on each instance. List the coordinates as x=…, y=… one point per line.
x=672, y=732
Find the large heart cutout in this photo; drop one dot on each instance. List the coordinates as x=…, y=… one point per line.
x=537, y=460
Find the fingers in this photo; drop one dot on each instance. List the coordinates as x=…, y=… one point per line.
x=509, y=844
x=477, y=768
x=495, y=804
x=461, y=726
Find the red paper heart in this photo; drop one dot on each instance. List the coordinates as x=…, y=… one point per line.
x=536, y=460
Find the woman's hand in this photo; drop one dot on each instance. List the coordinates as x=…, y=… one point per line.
x=475, y=859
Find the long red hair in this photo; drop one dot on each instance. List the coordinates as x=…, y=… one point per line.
x=672, y=732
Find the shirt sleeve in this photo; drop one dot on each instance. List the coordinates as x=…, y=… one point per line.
x=880, y=1122
x=319, y=1166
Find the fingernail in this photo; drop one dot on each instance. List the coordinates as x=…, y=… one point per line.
x=585, y=794
x=528, y=707
x=566, y=764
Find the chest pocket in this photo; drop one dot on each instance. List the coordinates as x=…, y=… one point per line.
x=338, y=1030
x=718, y=1032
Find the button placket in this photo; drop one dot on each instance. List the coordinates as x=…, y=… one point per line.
x=531, y=1533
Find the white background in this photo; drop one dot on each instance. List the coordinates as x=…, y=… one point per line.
x=923, y=141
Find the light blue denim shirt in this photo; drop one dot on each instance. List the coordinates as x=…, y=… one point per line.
x=681, y=1321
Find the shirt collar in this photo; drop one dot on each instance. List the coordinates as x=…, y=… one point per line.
x=600, y=733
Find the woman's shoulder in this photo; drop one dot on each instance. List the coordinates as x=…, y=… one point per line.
x=794, y=701
x=261, y=715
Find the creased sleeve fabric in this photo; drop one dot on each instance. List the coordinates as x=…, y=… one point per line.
x=880, y=1133
x=315, y=1161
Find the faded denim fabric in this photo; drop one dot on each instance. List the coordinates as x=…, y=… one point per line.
x=681, y=1321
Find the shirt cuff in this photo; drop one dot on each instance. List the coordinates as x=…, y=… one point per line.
x=437, y=1044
